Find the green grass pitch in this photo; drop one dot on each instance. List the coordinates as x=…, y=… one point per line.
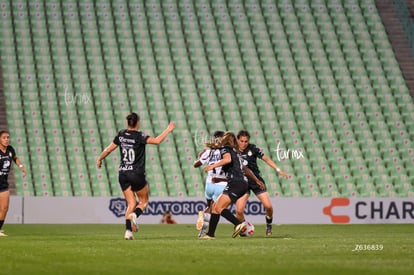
x=175, y=249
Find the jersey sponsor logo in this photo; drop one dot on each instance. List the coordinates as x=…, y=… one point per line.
x=214, y=158
x=126, y=140
x=6, y=164
x=126, y=168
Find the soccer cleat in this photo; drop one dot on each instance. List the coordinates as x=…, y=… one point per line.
x=2, y=234
x=203, y=231
x=128, y=235
x=134, y=223
x=239, y=228
x=207, y=237
x=200, y=220
x=269, y=229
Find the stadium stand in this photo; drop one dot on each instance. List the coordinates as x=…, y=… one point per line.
x=315, y=82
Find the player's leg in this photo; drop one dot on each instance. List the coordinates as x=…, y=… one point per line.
x=131, y=204
x=222, y=202
x=240, y=206
x=221, y=208
x=140, y=188
x=201, y=219
x=267, y=204
x=215, y=190
x=143, y=198
x=4, y=207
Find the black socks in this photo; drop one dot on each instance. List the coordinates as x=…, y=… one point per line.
x=138, y=211
x=269, y=220
x=214, y=219
x=230, y=217
x=128, y=225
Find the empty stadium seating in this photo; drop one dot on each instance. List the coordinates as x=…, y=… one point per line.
x=315, y=77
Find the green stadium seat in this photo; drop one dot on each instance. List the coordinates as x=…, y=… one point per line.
x=312, y=74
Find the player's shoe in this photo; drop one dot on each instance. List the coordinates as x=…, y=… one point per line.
x=207, y=237
x=200, y=220
x=203, y=231
x=134, y=223
x=128, y=235
x=269, y=229
x=239, y=228
x=2, y=234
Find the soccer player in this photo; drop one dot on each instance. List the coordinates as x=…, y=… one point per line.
x=215, y=181
x=132, y=177
x=236, y=172
x=7, y=155
x=251, y=153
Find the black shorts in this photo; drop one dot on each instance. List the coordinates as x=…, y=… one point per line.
x=236, y=189
x=4, y=186
x=137, y=181
x=256, y=188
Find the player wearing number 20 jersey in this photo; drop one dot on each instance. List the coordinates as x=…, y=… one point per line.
x=132, y=179
x=132, y=167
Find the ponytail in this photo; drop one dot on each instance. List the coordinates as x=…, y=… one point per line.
x=132, y=119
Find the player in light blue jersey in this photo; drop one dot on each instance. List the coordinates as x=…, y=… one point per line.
x=215, y=182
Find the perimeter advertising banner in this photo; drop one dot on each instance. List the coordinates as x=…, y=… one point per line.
x=67, y=210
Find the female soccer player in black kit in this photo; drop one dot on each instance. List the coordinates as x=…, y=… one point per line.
x=132, y=177
x=7, y=155
x=251, y=153
x=236, y=172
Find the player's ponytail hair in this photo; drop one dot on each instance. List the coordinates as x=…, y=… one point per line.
x=215, y=140
x=132, y=119
x=228, y=139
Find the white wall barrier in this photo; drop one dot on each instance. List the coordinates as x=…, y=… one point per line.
x=68, y=210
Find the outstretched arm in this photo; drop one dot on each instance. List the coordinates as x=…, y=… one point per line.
x=19, y=163
x=157, y=140
x=272, y=164
x=105, y=153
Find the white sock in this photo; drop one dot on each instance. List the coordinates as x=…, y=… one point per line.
x=207, y=217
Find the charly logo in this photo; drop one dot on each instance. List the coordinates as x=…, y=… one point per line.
x=118, y=206
x=334, y=203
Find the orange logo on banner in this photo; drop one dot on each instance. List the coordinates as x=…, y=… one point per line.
x=337, y=218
